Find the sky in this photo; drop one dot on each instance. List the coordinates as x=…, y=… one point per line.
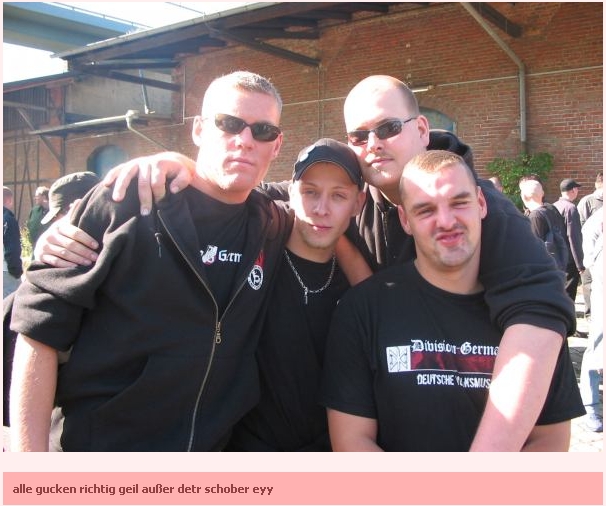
x=151, y=14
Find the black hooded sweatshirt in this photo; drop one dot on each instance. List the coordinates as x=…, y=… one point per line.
x=521, y=280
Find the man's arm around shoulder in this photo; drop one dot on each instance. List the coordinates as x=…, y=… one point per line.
x=522, y=375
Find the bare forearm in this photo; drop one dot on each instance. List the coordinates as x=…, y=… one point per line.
x=521, y=379
x=32, y=394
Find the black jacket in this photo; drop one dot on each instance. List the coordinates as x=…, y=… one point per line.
x=11, y=241
x=153, y=366
x=522, y=284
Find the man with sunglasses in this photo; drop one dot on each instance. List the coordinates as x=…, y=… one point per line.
x=161, y=331
x=523, y=289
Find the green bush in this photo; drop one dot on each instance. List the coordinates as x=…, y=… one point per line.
x=26, y=248
x=511, y=170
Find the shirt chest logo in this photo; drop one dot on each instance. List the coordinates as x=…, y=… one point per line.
x=213, y=254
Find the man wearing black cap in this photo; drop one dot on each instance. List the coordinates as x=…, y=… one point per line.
x=64, y=191
x=569, y=190
x=325, y=192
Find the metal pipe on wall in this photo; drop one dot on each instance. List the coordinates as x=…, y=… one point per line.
x=521, y=70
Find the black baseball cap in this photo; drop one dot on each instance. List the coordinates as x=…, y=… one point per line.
x=65, y=190
x=329, y=151
x=568, y=184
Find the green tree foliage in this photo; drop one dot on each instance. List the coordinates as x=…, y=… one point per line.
x=511, y=170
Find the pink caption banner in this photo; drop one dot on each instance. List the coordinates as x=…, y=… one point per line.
x=311, y=488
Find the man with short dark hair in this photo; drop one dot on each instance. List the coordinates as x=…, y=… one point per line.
x=412, y=360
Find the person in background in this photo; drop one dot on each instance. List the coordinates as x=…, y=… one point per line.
x=412, y=359
x=497, y=183
x=545, y=219
x=65, y=191
x=587, y=206
x=162, y=330
x=385, y=129
x=325, y=192
x=33, y=223
x=12, y=267
x=569, y=190
x=592, y=365
x=592, y=202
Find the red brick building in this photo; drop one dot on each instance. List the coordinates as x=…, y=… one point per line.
x=475, y=64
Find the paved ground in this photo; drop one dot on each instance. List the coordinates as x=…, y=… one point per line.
x=582, y=440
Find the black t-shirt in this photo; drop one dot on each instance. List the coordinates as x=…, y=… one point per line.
x=290, y=356
x=221, y=232
x=419, y=360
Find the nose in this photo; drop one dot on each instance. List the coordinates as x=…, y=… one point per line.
x=244, y=138
x=321, y=206
x=373, y=142
x=445, y=218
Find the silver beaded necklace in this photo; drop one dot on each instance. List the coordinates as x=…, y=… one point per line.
x=307, y=291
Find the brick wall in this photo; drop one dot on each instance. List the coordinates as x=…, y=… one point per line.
x=475, y=83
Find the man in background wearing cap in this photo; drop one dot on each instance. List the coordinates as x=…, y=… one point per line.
x=64, y=191
x=569, y=190
x=325, y=193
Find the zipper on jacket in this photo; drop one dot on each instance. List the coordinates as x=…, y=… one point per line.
x=217, y=338
x=218, y=333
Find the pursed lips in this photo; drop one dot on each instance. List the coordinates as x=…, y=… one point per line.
x=449, y=238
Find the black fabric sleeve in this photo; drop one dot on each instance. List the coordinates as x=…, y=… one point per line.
x=563, y=399
x=347, y=383
x=49, y=305
x=12, y=246
x=521, y=281
x=275, y=191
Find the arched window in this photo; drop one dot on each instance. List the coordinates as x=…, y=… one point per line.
x=105, y=158
x=438, y=120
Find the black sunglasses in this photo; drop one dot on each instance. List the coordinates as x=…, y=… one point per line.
x=264, y=132
x=385, y=130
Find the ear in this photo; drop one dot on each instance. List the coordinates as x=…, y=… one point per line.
x=404, y=220
x=277, y=146
x=196, y=131
x=423, y=128
x=482, y=203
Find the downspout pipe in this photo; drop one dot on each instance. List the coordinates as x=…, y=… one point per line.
x=132, y=115
x=521, y=70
